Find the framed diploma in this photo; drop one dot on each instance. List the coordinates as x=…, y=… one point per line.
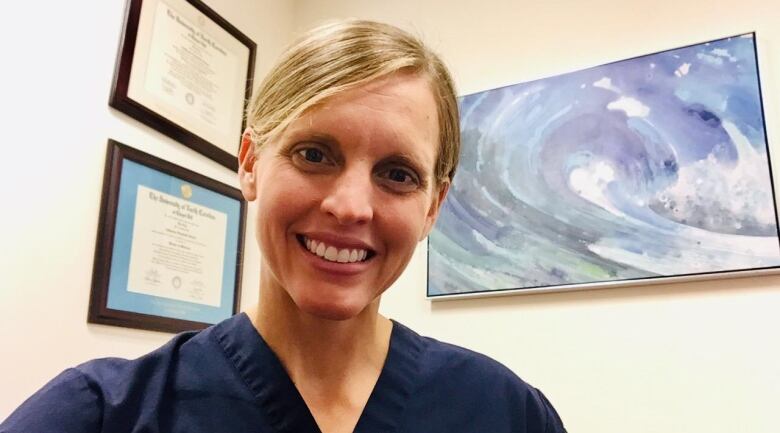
x=186, y=72
x=169, y=246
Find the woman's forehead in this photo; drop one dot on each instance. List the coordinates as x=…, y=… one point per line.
x=396, y=110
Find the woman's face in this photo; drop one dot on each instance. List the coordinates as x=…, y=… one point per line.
x=345, y=194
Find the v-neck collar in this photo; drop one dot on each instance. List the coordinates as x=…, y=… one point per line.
x=275, y=392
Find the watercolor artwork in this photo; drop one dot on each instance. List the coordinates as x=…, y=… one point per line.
x=633, y=171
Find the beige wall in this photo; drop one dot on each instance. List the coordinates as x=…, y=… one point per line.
x=677, y=358
x=696, y=357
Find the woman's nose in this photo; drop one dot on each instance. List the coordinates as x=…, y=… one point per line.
x=349, y=198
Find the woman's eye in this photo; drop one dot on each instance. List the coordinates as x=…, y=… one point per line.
x=312, y=154
x=398, y=175
x=399, y=179
x=312, y=157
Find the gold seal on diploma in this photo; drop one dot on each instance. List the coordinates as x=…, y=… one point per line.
x=186, y=191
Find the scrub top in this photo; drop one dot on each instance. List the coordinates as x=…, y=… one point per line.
x=227, y=379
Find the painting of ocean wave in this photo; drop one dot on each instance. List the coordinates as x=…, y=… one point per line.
x=651, y=167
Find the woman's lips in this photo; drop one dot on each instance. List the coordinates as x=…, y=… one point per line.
x=338, y=251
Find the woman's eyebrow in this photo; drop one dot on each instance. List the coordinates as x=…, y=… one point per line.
x=302, y=135
x=408, y=160
x=309, y=135
x=324, y=138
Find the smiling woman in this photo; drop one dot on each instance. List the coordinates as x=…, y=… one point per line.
x=360, y=167
x=351, y=145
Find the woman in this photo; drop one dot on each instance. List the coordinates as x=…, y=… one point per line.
x=352, y=144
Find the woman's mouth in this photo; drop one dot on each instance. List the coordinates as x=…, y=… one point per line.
x=332, y=253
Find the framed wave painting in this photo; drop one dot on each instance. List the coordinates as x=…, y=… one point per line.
x=647, y=170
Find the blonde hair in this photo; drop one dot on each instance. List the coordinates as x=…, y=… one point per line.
x=340, y=56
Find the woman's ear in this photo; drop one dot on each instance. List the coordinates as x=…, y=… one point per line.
x=246, y=166
x=433, y=212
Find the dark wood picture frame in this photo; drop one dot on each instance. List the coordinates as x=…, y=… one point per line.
x=119, y=89
x=99, y=312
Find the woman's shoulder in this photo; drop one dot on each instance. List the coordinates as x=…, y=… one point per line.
x=180, y=361
x=482, y=387
x=442, y=358
x=110, y=392
x=116, y=375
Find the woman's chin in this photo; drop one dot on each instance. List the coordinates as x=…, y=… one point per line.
x=333, y=310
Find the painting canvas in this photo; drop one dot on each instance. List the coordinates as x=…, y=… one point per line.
x=633, y=171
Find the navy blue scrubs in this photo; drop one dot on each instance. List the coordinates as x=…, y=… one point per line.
x=227, y=379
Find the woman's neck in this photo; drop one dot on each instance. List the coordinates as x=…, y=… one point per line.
x=319, y=352
x=334, y=364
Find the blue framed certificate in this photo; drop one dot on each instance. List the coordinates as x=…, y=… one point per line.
x=169, y=247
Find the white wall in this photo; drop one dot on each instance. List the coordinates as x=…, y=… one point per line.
x=695, y=357
x=678, y=358
x=56, y=120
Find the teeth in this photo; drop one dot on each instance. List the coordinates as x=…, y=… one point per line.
x=333, y=254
